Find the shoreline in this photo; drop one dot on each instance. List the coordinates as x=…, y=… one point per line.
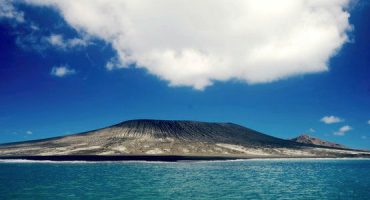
x=105, y=158
x=160, y=158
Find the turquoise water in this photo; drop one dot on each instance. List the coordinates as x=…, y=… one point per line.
x=250, y=179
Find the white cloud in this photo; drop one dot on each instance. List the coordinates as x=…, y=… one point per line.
x=29, y=132
x=343, y=130
x=368, y=122
x=194, y=43
x=7, y=10
x=364, y=137
x=331, y=119
x=76, y=42
x=312, y=130
x=34, y=27
x=58, y=40
x=61, y=71
x=112, y=64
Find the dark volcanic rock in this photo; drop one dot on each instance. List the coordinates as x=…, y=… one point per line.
x=197, y=132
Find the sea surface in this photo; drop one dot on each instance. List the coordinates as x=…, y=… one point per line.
x=245, y=179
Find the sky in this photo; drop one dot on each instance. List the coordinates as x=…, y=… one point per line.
x=283, y=68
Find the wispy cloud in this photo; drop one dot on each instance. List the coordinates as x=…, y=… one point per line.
x=368, y=122
x=29, y=132
x=364, y=137
x=331, y=119
x=113, y=63
x=7, y=10
x=57, y=40
x=312, y=130
x=61, y=71
x=343, y=130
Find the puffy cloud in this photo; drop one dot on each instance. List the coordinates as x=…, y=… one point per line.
x=343, y=130
x=7, y=10
x=61, y=71
x=194, y=43
x=331, y=119
x=57, y=40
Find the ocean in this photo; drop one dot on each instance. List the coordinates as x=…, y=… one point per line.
x=243, y=179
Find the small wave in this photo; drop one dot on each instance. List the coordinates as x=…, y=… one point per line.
x=215, y=161
x=180, y=161
x=40, y=161
x=81, y=162
x=302, y=159
x=273, y=159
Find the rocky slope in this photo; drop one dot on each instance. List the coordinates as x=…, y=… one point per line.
x=306, y=139
x=169, y=137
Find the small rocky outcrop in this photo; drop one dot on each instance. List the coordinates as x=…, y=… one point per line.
x=306, y=139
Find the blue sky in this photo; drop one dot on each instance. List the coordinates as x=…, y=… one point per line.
x=59, y=76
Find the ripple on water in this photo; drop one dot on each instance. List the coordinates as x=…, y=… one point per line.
x=240, y=179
